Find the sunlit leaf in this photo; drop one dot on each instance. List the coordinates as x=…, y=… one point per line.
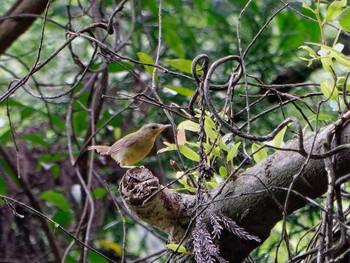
x=344, y=19
x=214, y=150
x=232, y=152
x=189, y=126
x=223, y=171
x=211, y=184
x=117, y=132
x=112, y=245
x=334, y=9
x=340, y=83
x=329, y=90
x=259, y=155
x=176, y=247
x=189, y=153
x=306, y=6
x=169, y=147
x=279, y=137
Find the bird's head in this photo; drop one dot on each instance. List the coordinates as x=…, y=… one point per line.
x=152, y=130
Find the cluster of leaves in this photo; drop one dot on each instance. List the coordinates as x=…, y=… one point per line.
x=334, y=62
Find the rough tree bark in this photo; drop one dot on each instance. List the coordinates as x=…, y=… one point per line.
x=12, y=28
x=245, y=199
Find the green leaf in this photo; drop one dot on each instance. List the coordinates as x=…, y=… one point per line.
x=209, y=122
x=8, y=170
x=279, y=137
x=329, y=90
x=312, y=52
x=27, y=112
x=119, y=66
x=183, y=65
x=181, y=90
x=146, y=59
x=223, y=171
x=63, y=218
x=334, y=9
x=169, y=147
x=210, y=132
x=3, y=188
x=174, y=41
x=327, y=64
x=57, y=122
x=340, y=83
x=306, y=6
x=211, y=184
x=232, y=152
x=36, y=139
x=214, y=150
x=56, y=199
x=189, y=153
x=189, y=126
x=176, y=247
x=96, y=258
x=320, y=117
x=99, y=192
x=344, y=19
x=260, y=154
x=330, y=52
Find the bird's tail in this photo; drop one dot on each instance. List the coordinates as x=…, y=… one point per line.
x=101, y=149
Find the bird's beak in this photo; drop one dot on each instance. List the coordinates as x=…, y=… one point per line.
x=164, y=126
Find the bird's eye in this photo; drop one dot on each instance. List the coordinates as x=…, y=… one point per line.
x=153, y=127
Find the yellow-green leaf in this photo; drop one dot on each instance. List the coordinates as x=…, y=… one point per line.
x=189, y=126
x=146, y=59
x=306, y=6
x=214, y=150
x=183, y=65
x=312, y=52
x=169, y=147
x=279, y=137
x=328, y=89
x=340, y=83
x=344, y=19
x=112, y=245
x=260, y=154
x=211, y=184
x=327, y=64
x=232, y=152
x=223, y=171
x=176, y=247
x=189, y=153
x=334, y=9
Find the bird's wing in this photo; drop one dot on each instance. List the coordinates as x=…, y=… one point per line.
x=127, y=141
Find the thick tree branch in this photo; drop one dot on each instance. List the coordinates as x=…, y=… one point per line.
x=255, y=200
x=12, y=28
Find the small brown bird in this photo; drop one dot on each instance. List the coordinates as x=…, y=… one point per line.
x=133, y=147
